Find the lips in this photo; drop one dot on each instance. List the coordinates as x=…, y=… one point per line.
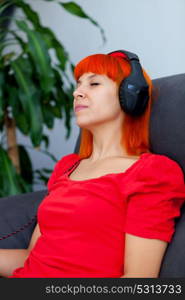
x=79, y=107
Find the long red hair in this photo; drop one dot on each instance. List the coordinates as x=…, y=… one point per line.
x=135, y=130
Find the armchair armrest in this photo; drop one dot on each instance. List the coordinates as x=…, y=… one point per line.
x=18, y=219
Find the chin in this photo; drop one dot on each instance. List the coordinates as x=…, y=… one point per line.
x=83, y=123
x=86, y=124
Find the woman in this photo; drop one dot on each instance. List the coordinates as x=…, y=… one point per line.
x=110, y=209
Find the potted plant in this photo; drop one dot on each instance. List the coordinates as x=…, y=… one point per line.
x=32, y=92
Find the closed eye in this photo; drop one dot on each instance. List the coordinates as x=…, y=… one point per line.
x=94, y=83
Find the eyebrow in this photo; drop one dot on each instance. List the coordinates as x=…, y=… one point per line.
x=88, y=77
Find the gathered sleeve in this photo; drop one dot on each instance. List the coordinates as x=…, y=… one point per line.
x=155, y=199
x=60, y=167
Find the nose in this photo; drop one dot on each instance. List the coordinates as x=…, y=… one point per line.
x=78, y=93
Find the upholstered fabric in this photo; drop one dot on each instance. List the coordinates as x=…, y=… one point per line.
x=167, y=124
x=18, y=219
x=173, y=264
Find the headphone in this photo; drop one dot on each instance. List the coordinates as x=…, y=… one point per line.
x=133, y=90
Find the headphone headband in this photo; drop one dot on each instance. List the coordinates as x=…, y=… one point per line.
x=124, y=54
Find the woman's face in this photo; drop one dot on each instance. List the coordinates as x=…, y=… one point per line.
x=100, y=94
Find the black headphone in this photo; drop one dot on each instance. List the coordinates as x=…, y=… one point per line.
x=133, y=90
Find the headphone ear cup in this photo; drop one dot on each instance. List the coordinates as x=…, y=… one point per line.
x=133, y=98
x=134, y=89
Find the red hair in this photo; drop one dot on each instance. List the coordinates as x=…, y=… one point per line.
x=135, y=130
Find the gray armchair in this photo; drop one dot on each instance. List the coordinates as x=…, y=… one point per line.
x=167, y=125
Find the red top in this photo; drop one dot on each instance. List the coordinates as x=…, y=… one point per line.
x=83, y=223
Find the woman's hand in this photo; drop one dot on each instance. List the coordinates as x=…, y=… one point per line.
x=11, y=259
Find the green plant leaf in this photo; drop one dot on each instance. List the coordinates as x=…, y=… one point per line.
x=53, y=43
x=39, y=52
x=42, y=176
x=30, y=98
x=26, y=187
x=47, y=34
x=8, y=56
x=30, y=13
x=25, y=164
x=60, y=51
x=6, y=44
x=47, y=170
x=48, y=115
x=4, y=5
x=22, y=122
x=36, y=118
x=9, y=183
x=76, y=10
x=56, y=110
x=65, y=99
x=19, y=40
x=1, y=96
x=45, y=139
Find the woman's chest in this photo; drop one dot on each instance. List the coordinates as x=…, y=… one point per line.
x=83, y=205
x=86, y=170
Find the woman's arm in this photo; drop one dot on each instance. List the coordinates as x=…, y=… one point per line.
x=143, y=256
x=36, y=234
x=10, y=259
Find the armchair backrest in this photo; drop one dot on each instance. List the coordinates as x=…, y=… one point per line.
x=167, y=124
x=167, y=137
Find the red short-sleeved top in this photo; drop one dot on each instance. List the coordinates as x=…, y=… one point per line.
x=83, y=223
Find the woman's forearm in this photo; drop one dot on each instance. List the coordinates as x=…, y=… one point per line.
x=10, y=259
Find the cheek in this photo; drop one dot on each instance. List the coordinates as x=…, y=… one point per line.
x=113, y=101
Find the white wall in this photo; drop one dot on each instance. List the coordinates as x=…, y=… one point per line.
x=154, y=29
